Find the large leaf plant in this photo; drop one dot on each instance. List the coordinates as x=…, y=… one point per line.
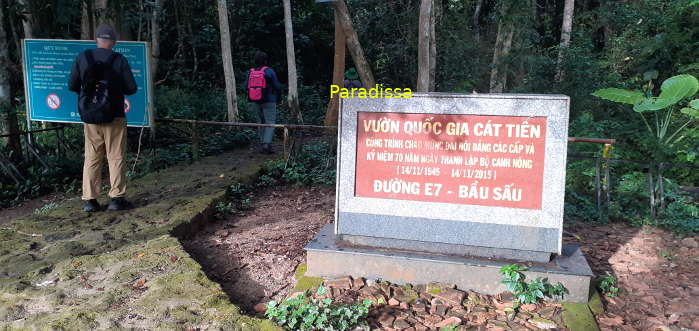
x=673, y=92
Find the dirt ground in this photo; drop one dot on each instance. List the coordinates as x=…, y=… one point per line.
x=28, y=207
x=656, y=270
x=253, y=254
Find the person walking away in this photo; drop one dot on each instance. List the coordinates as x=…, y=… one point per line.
x=101, y=78
x=351, y=79
x=264, y=90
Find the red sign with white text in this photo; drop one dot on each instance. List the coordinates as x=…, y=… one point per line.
x=462, y=159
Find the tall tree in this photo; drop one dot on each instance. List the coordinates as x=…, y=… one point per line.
x=566, y=30
x=27, y=19
x=355, y=48
x=331, y=114
x=436, y=13
x=503, y=45
x=423, y=48
x=87, y=22
x=293, y=96
x=155, y=37
x=476, y=20
x=8, y=114
x=227, y=57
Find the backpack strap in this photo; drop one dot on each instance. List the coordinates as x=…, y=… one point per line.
x=90, y=59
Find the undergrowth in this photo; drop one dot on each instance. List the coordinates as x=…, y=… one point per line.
x=308, y=313
x=531, y=292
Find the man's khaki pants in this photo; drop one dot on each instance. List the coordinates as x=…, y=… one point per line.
x=105, y=139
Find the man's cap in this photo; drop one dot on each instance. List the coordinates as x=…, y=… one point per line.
x=105, y=32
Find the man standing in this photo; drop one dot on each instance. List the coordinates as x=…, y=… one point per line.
x=108, y=137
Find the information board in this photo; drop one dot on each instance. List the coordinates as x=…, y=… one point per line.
x=464, y=159
x=47, y=65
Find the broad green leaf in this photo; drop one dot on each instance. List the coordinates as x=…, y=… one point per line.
x=678, y=87
x=653, y=104
x=691, y=112
x=694, y=103
x=620, y=95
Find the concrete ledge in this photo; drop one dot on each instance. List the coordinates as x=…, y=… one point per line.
x=325, y=259
x=449, y=249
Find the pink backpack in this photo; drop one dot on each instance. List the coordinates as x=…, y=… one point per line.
x=256, y=84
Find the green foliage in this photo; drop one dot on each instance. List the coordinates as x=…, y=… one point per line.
x=607, y=286
x=45, y=208
x=314, y=164
x=531, y=292
x=450, y=327
x=620, y=95
x=309, y=313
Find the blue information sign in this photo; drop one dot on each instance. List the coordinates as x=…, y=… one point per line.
x=47, y=64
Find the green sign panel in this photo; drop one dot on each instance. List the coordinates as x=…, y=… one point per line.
x=47, y=64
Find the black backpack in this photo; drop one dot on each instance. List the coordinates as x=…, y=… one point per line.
x=94, y=101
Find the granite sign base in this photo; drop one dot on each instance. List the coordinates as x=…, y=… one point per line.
x=325, y=258
x=449, y=249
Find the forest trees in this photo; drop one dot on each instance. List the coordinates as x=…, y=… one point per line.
x=293, y=96
x=227, y=58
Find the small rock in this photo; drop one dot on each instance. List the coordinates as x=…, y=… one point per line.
x=689, y=242
x=401, y=324
x=479, y=309
x=358, y=284
x=507, y=296
x=418, y=306
x=260, y=308
x=451, y=321
x=528, y=307
x=386, y=320
x=404, y=305
x=543, y=323
x=342, y=282
x=393, y=302
x=420, y=327
x=432, y=320
x=451, y=296
x=440, y=310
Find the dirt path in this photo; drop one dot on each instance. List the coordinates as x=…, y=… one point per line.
x=657, y=274
x=254, y=254
x=28, y=207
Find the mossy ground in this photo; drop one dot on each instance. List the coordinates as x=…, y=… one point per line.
x=65, y=269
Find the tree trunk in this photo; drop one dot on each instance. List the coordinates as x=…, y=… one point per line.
x=503, y=44
x=436, y=13
x=27, y=20
x=104, y=13
x=9, y=116
x=331, y=115
x=155, y=38
x=293, y=96
x=87, y=23
x=227, y=57
x=566, y=30
x=423, y=48
x=476, y=21
x=355, y=48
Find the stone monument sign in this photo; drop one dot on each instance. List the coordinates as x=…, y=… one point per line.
x=476, y=176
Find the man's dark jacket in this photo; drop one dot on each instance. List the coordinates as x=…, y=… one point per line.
x=122, y=82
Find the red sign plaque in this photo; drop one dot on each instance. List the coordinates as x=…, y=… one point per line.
x=460, y=159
